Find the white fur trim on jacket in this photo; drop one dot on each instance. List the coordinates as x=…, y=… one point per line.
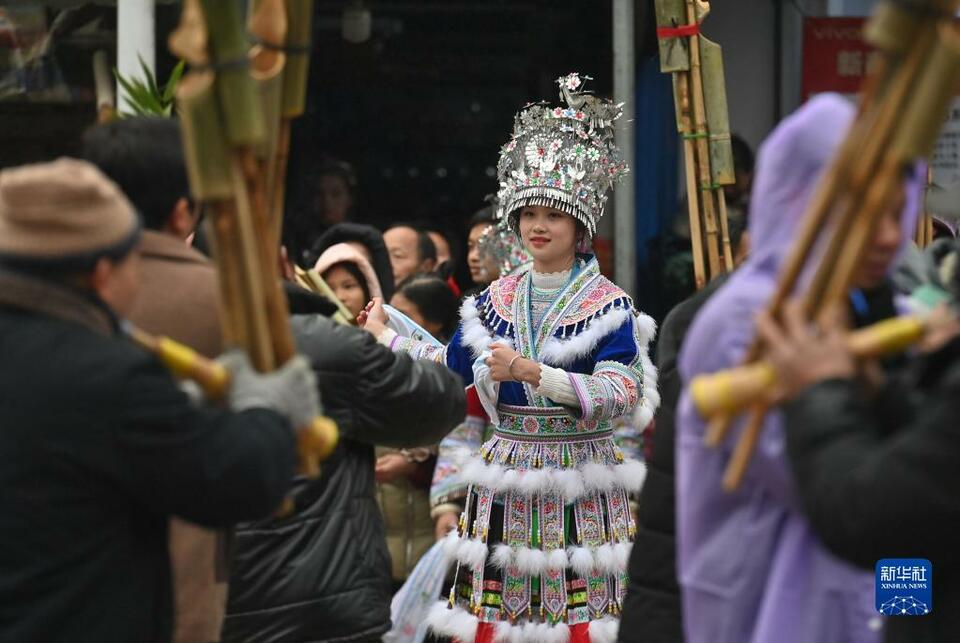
x=571, y=484
x=605, y=630
x=505, y=632
x=469, y=551
x=646, y=329
x=456, y=623
x=564, y=352
x=643, y=414
x=475, y=335
x=609, y=559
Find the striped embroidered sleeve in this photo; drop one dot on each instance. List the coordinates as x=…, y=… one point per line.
x=454, y=355
x=621, y=377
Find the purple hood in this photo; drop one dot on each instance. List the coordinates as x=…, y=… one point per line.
x=751, y=569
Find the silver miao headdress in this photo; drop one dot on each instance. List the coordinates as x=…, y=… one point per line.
x=562, y=157
x=500, y=244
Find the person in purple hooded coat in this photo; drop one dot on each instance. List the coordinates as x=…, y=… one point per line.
x=750, y=567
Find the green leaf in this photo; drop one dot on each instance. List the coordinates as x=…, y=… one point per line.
x=173, y=81
x=143, y=96
x=151, y=81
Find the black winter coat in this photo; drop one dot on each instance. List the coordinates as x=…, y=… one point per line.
x=98, y=446
x=324, y=573
x=879, y=478
x=652, y=611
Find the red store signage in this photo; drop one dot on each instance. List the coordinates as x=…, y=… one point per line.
x=835, y=57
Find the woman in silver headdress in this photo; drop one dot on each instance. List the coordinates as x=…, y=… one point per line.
x=556, y=353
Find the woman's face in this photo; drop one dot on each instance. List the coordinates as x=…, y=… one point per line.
x=481, y=272
x=549, y=235
x=347, y=289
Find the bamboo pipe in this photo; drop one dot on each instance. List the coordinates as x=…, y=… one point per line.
x=233, y=324
x=316, y=442
x=268, y=24
x=724, y=230
x=703, y=148
x=253, y=290
x=744, y=449
x=693, y=194
x=274, y=300
x=298, y=36
x=732, y=390
x=278, y=190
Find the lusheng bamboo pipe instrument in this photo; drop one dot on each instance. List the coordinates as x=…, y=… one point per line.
x=702, y=120
x=733, y=390
x=225, y=141
x=900, y=116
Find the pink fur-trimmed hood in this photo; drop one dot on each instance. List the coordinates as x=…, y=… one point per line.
x=345, y=253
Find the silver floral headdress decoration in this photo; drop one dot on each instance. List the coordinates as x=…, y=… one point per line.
x=500, y=244
x=562, y=157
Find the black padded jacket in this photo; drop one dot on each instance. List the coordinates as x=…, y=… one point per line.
x=323, y=574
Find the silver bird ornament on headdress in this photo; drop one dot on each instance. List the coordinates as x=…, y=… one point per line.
x=562, y=157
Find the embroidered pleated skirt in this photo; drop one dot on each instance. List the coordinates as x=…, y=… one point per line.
x=543, y=542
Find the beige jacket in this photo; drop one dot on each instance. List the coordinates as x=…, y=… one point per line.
x=178, y=298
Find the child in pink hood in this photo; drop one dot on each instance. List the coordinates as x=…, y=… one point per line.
x=350, y=275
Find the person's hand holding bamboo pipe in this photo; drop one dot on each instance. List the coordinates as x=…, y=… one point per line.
x=802, y=354
x=726, y=393
x=317, y=436
x=291, y=390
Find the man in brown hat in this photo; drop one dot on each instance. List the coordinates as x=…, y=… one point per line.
x=177, y=298
x=99, y=445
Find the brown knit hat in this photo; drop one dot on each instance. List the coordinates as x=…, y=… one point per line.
x=63, y=214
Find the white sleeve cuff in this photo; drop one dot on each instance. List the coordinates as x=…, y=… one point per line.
x=386, y=337
x=555, y=384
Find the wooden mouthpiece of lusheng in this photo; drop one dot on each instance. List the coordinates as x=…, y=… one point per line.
x=184, y=362
x=316, y=443
x=242, y=115
x=299, y=30
x=919, y=128
x=888, y=337
x=724, y=393
x=731, y=390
